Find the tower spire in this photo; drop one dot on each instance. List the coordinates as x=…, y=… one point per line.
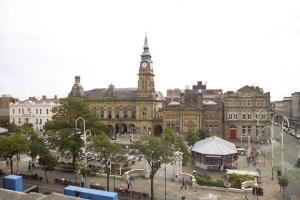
x=146, y=54
x=146, y=42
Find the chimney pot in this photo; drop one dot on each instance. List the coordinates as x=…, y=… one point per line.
x=77, y=79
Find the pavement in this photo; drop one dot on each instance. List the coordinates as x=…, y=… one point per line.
x=271, y=187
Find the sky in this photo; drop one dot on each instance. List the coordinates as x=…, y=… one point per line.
x=226, y=44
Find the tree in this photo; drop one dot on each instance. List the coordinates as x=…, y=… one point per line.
x=35, y=146
x=194, y=136
x=177, y=144
x=108, y=152
x=12, y=145
x=61, y=130
x=283, y=182
x=156, y=151
x=47, y=161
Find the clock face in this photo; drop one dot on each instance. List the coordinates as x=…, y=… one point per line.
x=144, y=64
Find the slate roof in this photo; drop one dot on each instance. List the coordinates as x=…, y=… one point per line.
x=118, y=93
x=214, y=146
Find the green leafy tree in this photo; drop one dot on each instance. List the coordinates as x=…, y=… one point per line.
x=35, y=146
x=177, y=144
x=194, y=136
x=61, y=129
x=4, y=122
x=12, y=145
x=203, y=133
x=47, y=161
x=108, y=152
x=156, y=151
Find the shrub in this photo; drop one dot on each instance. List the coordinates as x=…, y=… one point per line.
x=237, y=179
x=208, y=182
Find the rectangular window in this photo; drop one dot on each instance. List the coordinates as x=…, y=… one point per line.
x=243, y=103
x=36, y=121
x=13, y=111
x=125, y=113
x=36, y=111
x=22, y=110
x=244, y=130
x=249, y=103
x=235, y=116
x=133, y=114
x=229, y=116
x=19, y=111
x=101, y=114
x=47, y=111
x=249, y=130
x=40, y=111
x=249, y=116
x=263, y=116
x=244, y=116
x=257, y=103
x=263, y=103
x=41, y=121
x=117, y=114
x=109, y=114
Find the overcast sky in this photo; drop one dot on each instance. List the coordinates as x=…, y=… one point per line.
x=228, y=44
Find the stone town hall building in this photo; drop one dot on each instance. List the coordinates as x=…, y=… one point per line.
x=143, y=110
x=133, y=110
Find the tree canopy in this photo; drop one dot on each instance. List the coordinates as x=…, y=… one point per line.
x=156, y=151
x=194, y=136
x=12, y=145
x=108, y=152
x=61, y=129
x=177, y=144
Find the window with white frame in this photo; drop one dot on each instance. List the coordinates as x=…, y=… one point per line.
x=235, y=116
x=249, y=116
x=249, y=103
x=230, y=116
x=117, y=114
x=263, y=116
x=244, y=116
x=102, y=114
x=257, y=103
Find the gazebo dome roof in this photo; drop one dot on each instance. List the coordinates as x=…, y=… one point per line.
x=214, y=146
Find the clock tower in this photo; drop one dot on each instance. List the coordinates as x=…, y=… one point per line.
x=146, y=76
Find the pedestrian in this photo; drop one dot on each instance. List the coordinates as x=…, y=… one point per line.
x=29, y=165
x=7, y=164
x=183, y=183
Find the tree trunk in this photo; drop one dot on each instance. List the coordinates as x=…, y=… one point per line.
x=152, y=188
x=73, y=161
x=46, y=176
x=11, y=165
x=107, y=178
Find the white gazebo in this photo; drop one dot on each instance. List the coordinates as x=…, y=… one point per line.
x=214, y=153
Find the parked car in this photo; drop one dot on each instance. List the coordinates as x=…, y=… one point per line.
x=297, y=135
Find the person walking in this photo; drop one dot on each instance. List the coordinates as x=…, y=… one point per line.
x=29, y=166
x=183, y=184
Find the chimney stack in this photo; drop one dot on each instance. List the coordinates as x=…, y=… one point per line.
x=44, y=97
x=77, y=79
x=55, y=97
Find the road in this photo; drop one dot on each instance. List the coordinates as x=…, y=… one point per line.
x=291, y=148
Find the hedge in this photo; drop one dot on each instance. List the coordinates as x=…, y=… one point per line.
x=208, y=182
x=237, y=179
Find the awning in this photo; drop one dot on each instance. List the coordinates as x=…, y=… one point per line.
x=242, y=172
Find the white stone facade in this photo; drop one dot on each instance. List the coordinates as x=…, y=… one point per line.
x=33, y=111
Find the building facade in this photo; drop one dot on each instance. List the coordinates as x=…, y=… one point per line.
x=192, y=113
x=5, y=100
x=127, y=110
x=32, y=111
x=296, y=107
x=246, y=112
x=284, y=107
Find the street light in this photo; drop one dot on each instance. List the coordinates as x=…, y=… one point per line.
x=84, y=140
x=272, y=132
